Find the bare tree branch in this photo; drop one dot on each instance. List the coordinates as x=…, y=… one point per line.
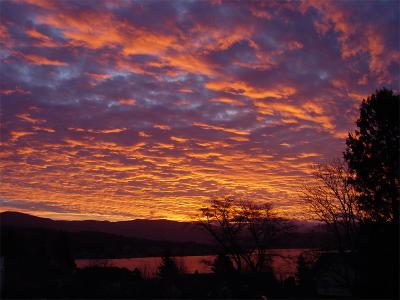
x=243, y=229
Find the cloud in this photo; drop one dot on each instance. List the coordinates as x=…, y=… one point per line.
x=134, y=110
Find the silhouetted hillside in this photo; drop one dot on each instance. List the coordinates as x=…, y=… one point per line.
x=142, y=232
x=89, y=244
x=146, y=229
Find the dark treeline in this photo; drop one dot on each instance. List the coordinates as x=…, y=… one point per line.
x=86, y=244
x=39, y=263
x=99, y=245
x=357, y=198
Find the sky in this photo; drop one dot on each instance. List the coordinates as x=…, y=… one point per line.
x=116, y=110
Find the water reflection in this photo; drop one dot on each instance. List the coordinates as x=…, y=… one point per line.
x=283, y=263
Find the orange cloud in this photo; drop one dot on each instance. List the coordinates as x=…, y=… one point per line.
x=162, y=126
x=28, y=118
x=263, y=14
x=190, y=63
x=16, y=135
x=44, y=40
x=98, y=76
x=127, y=101
x=109, y=31
x=47, y=4
x=188, y=91
x=239, y=138
x=144, y=134
x=241, y=88
x=220, y=128
x=308, y=111
x=228, y=100
x=40, y=60
x=111, y=130
x=41, y=128
x=178, y=139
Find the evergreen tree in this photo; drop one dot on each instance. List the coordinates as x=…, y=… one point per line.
x=168, y=268
x=372, y=154
x=304, y=277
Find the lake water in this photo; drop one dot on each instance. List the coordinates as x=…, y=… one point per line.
x=283, y=263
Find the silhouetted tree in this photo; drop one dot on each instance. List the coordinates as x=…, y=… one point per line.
x=220, y=220
x=223, y=265
x=243, y=229
x=331, y=199
x=360, y=200
x=168, y=268
x=372, y=154
x=305, y=277
x=168, y=272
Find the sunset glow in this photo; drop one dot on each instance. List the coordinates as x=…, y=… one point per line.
x=117, y=110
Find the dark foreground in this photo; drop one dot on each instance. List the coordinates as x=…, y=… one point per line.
x=49, y=271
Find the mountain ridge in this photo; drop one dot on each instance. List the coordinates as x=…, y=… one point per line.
x=155, y=230
x=161, y=229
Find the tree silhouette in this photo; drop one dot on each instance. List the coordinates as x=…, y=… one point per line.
x=372, y=154
x=220, y=220
x=223, y=265
x=304, y=276
x=168, y=268
x=243, y=230
x=331, y=199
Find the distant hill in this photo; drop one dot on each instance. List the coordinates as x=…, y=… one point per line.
x=144, y=229
x=30, y=242
x=305, y=235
